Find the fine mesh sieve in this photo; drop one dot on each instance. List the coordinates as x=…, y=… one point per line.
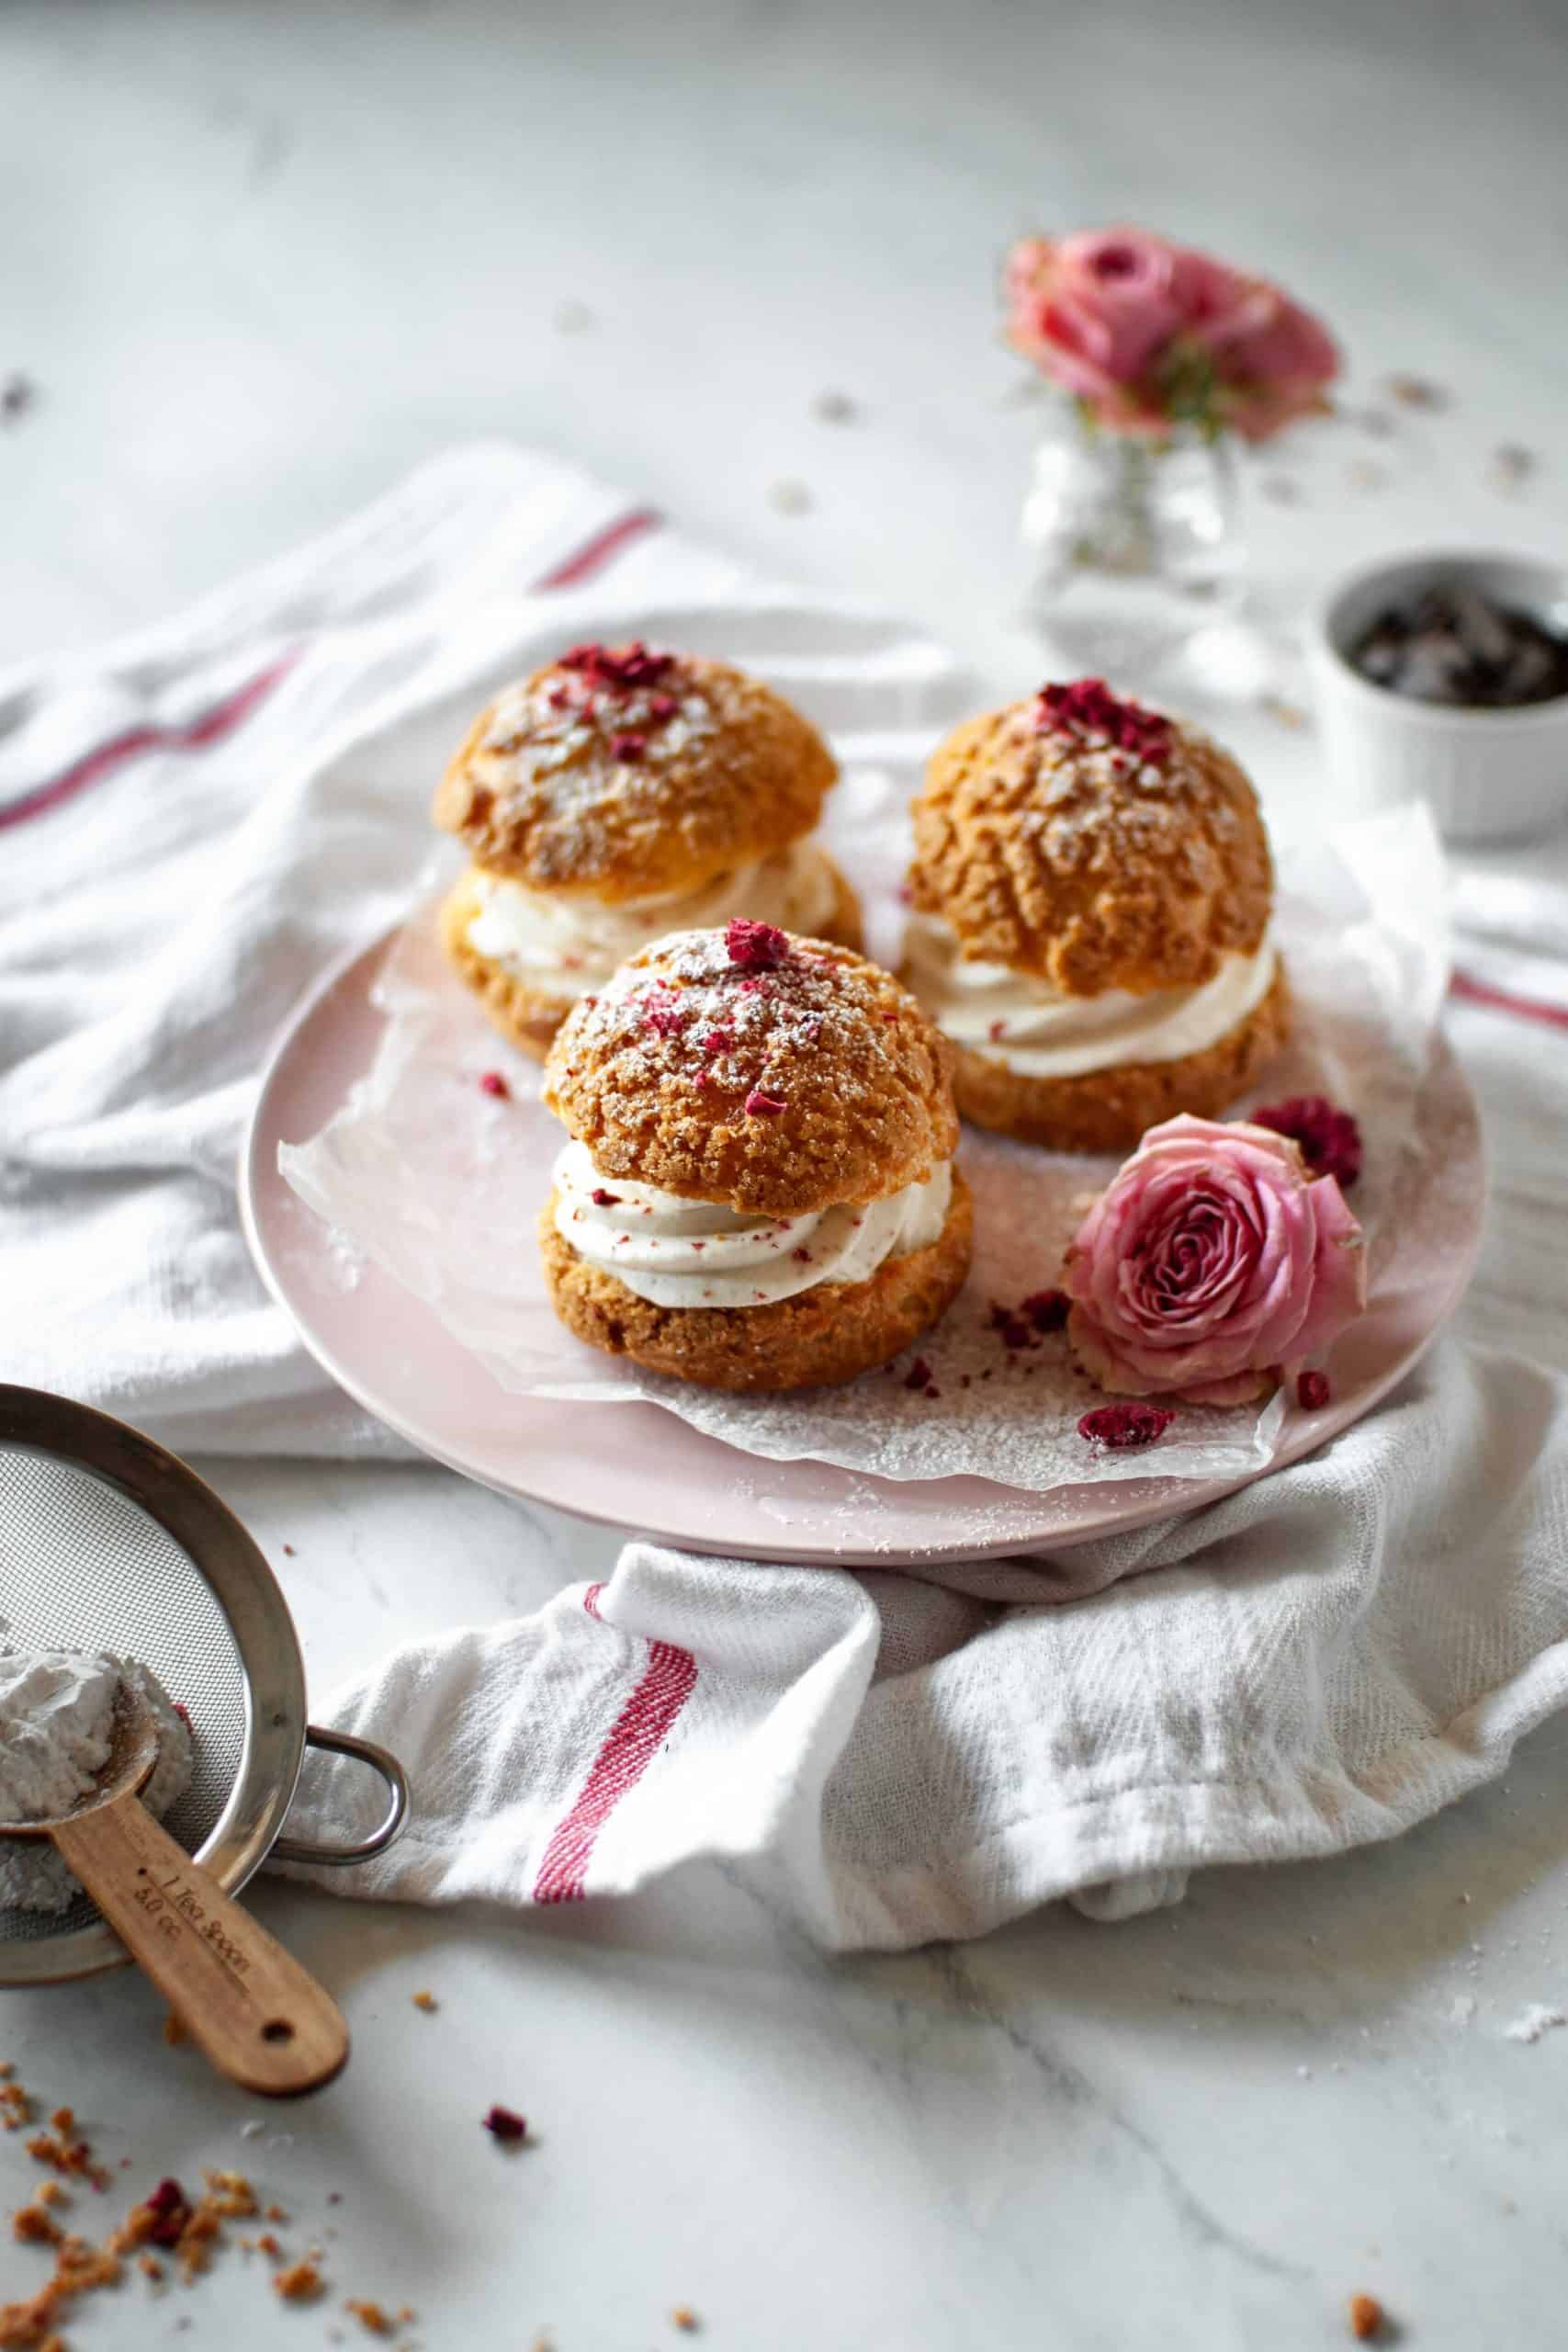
x=107, y=1542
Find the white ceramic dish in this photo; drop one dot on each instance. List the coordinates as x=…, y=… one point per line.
x=636, y=1465
x=1488, y=775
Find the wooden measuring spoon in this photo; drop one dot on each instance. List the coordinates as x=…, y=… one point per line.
x=261, y=2018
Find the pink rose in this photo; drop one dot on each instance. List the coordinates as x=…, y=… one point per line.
x=1211, y=1264
x=1214, y=298
x=1274, y=362
x=1142, y=331
x=1094, y=310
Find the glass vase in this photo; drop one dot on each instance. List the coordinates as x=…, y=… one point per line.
x=1133, y=545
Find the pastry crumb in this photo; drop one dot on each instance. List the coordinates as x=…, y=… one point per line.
x=685, y=2319
x=1366, y=2318
x=64, y=2152
x=374, y=2318
x=230, y=2195
x=33, y=2224
x=300, y=2283
x=166, y=2219
x=427, y=2002
x=1415, y=391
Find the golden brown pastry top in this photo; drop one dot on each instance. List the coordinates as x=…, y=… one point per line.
x=1092, y=843
x=622, y=774
x=773, y=1074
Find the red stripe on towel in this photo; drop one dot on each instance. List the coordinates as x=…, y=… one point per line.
x=194, y=736
x=630, y=1746
x=601, y=548
x=585, y=562
x=1527, y=1008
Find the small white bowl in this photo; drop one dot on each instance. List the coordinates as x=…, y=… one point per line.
x=1488, y=775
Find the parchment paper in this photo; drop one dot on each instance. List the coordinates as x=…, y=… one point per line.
x=422, y=1172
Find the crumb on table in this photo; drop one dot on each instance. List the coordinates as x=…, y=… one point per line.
x=33, y=2224
x=178, y=2226
x=230, y=2195
x=300, y=2283
x=1365, y=2317
x=63, y=2150
x=374, y=2318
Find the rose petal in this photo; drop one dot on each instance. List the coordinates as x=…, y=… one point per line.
x=1340, y=1286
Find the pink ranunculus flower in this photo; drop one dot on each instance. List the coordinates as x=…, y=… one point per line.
x=1211, y=1264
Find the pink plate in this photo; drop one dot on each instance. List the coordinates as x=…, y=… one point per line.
x=646, y=1470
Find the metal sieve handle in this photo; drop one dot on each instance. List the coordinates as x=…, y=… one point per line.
x=386, y=1768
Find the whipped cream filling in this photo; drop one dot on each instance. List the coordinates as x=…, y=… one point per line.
x=677, y=1252
x=566, y=946
x=1030, y=1028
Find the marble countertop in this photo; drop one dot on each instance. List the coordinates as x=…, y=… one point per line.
x=259, y=262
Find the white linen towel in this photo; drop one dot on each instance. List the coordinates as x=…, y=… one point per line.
x=196, y=824
x=188, y=841
x=1318, y=1662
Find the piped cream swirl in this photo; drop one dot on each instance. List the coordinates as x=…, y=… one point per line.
x=565, y=944
x=676, y=1252
x=1034, y=1030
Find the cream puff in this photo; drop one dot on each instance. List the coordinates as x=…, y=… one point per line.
x=758, y=1192
x=1092, y=895
x=617, y=795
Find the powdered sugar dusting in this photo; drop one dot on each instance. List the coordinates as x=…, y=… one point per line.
x=1091, y=790
x=754, y=1030
x=58, y=1714
x=591, y=736
x=1533, y=2022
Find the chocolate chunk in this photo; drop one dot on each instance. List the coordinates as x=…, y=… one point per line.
x=1455, y=645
